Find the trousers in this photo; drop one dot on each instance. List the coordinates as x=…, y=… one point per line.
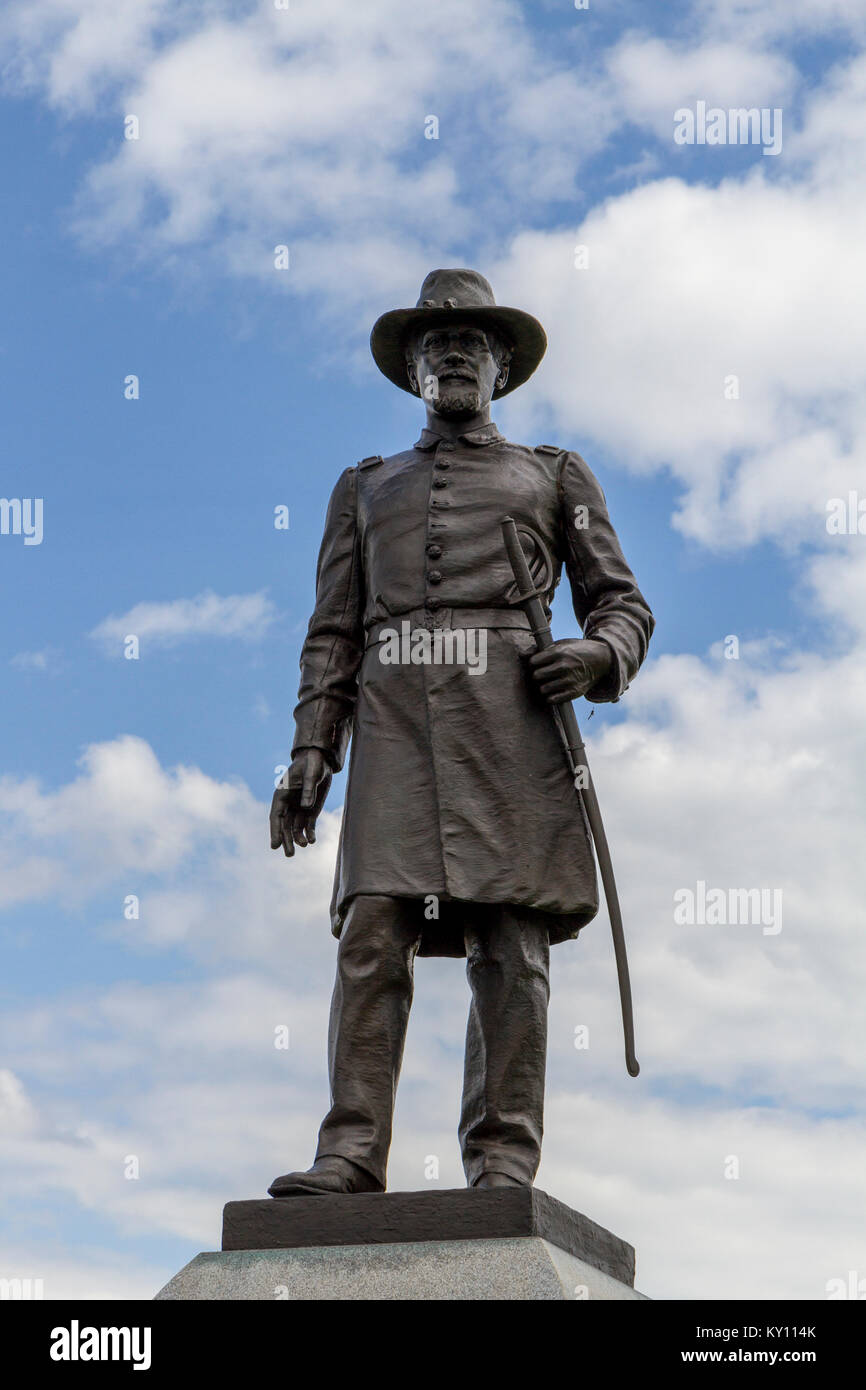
x=507, y=965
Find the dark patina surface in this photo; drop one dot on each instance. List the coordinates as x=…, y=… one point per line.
x=462, y=832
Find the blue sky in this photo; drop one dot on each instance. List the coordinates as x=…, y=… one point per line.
x=156, y=258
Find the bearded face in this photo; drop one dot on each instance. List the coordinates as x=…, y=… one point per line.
x=456, y=370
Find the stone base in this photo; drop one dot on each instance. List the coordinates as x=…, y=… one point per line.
x=498, y=1243
x=519, y=1268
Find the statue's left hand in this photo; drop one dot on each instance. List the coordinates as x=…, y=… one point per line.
x=569, y=668
x=298, y=800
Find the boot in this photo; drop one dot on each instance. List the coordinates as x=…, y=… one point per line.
x=330, y=1174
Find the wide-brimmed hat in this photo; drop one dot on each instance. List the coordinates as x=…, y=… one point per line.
x=445, y=295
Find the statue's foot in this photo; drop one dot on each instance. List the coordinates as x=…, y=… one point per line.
x=499, y=1180
x=327, y=1175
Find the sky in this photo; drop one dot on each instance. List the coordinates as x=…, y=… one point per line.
x=704, y=305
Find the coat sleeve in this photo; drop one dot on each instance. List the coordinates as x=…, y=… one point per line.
x=334, y=646
x=607, y=602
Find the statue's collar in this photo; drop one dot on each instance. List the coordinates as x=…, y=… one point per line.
x=484, y=434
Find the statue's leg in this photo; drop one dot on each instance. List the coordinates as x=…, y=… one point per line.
x=502, y=1120
x=369, y=1013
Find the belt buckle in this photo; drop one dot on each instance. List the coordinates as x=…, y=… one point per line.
x=438, y=618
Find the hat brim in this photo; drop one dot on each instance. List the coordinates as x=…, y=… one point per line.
x=525, y=333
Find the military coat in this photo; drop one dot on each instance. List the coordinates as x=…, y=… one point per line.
x=458, y=787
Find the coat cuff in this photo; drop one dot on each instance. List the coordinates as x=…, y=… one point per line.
x=331, y=738
x=615, y=683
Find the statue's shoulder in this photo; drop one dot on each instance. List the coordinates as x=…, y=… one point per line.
x=573, y=475
x=565, y=457
x=378, y=460
x=552, y=449
x=559, y=458
x=551, y=457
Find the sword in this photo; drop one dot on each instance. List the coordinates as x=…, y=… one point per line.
x=529, y=599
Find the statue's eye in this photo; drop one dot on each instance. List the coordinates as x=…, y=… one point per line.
x=433, y=342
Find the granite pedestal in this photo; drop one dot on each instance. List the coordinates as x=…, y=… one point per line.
x=502, y=1243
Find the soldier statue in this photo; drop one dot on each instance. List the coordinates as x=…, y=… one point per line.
x=462, y=834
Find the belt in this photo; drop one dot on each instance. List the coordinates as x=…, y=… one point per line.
x=448, y=619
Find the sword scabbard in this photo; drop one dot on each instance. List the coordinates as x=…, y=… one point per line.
x=565, y=718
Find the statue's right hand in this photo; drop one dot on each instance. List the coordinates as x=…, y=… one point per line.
x=298, y=801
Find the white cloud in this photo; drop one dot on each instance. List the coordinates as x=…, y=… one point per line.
x=688, y=285
x=654, y=77
x=133, y=826
x=74, y=49
x=307, y=127
x=754, y=22
x=44, y=660
x=743, y=775
x=81, y=1272
x=839, y=582
x=738, y=773
x=165, y=624
x=16, y=1110
x=123, y=818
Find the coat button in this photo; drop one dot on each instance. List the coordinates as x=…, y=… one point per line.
x=435, y=577
x=442, y=463
x=440, y=482
x=445, y=445
x=434, y=551
x=431, y=604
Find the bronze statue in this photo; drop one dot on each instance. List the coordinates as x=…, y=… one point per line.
x=462, y=834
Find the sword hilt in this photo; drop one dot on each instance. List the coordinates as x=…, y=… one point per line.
x=528, y=588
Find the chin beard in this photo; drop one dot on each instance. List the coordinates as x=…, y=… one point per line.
x=457, y=404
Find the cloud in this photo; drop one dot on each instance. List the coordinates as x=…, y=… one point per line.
x=82, y=1272
x=654, y=77
x=16, y=1110
x=754, y=22
x=75, y=49
x=736, y=364
x=741, y=773
x=839, y=583
x=306, y=127
x=167, y=624
x=44, y=660
x=135, y=828
x=682, y=1177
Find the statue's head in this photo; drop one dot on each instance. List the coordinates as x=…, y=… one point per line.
x=457, y=349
